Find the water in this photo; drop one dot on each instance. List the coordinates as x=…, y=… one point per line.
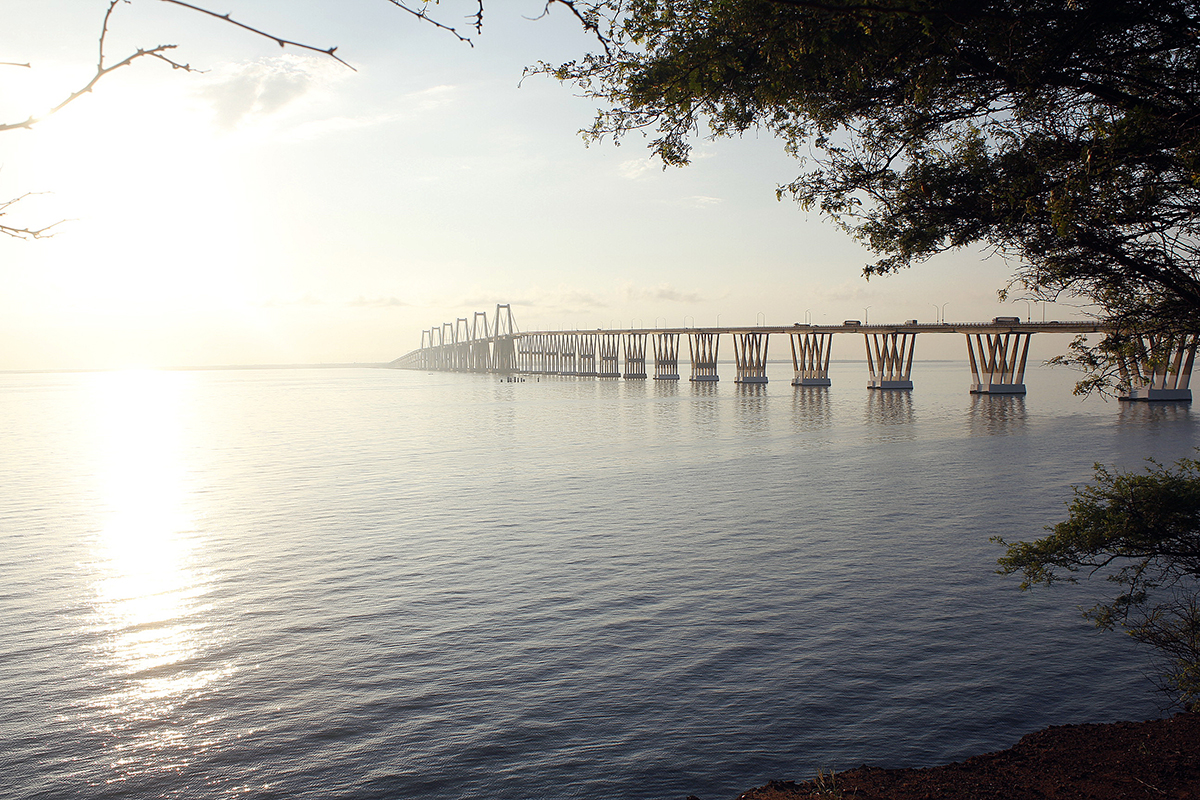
x=375, y=583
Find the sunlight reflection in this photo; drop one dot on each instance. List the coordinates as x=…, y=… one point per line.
x=150, y=588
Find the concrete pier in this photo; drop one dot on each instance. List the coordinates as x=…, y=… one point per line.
x=703, y=346
x=889, y=359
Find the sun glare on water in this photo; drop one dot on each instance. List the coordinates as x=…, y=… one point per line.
x=149, y=592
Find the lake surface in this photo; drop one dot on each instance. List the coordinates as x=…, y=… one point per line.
x=387, y=584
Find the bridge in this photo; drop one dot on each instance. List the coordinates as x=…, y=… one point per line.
x=996, y=350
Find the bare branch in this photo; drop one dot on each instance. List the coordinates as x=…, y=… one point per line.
x=588, y=24
x=329, y=51
x=158, y=52
x=422, y=14
x=155, y=52
x=44, y=232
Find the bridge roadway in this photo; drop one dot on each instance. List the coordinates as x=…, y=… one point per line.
x=997, y=352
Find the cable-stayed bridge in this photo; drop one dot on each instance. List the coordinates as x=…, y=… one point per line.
x=997, y=352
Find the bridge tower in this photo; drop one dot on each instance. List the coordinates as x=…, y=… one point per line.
x=1000, y=367
x=703, y=347
x=810, y=358
x=504, y=351
x=462, y=344
x=1159, y=369
x=889, y=359
x=750, y=353
x=481, y=347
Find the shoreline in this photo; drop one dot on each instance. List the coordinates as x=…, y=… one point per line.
x=1157, y=758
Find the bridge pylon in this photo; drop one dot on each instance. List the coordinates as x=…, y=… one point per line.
x=750, y=354
x=504, y=331
x=481, y=348
x=889, y=359
x=703, y=346
x=810, y=358
x=1159, y=369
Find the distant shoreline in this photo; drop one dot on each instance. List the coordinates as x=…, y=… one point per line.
x=353, y=365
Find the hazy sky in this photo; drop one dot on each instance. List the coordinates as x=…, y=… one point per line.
x=279, y=207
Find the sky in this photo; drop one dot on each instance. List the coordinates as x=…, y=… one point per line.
x=278, y=207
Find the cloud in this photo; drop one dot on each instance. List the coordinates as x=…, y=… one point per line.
x=304, y=300
x=308, y=300
x=377, y=302
x=701, y=200
x=632, y=170
x=576, y=299
x=239, y=92
x=433, y=97
x=846, y=291
x=663, y=292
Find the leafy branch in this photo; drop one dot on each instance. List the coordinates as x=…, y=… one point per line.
x=1141, y=532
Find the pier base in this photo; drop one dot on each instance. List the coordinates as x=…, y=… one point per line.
x=889, y=359
x=997, y=388
x=750, y=354
x=812, y=382
x=703, y=347
x=998, y=362
x=1167, y=395
x=1160, y=370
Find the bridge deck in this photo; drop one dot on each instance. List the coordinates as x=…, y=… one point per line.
x=925, y=327
x=997, y=351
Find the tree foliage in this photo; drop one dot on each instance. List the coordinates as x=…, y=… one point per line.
x=1063, y=134
x=1141, y=530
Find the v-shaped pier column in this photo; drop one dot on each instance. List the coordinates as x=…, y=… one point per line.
x=998, y=367
x=889, y=359
x=610, y=355
x=750, y=353
x=635, y=355
x=703, y=348
x=1161, y=369
x=666, y=356
x=810, y=358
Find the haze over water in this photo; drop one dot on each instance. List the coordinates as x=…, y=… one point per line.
x=376, y=583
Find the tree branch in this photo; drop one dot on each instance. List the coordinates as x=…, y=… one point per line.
x=24, y=233
x=329, y=51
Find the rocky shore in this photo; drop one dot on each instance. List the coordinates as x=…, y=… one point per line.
x=1154, y=759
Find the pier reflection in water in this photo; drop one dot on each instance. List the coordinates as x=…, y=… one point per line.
x=811, y=408
x=889, y=407
x=996, y=413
